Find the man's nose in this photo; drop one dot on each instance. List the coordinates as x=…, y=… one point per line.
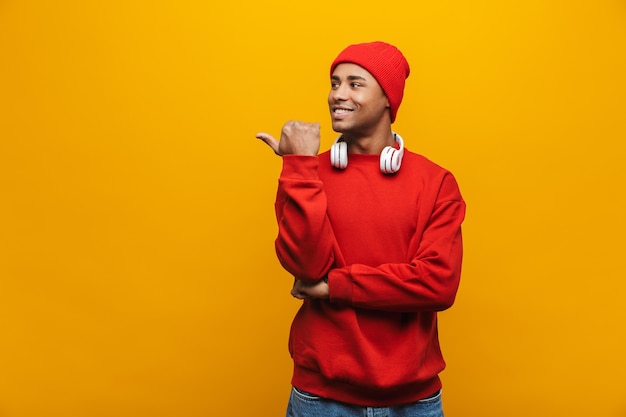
x=339, y=93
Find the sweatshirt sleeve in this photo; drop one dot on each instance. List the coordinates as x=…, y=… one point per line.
x=305, y=240
x=429, y=282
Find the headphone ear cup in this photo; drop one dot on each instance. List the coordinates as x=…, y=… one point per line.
x=386, y=160
x=390, y=160
x=396, y=159
x=339, y=155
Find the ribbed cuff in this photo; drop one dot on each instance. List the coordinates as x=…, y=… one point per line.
x=300, y=167
x=340, y=285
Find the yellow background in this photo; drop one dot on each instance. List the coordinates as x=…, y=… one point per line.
x=137, y=271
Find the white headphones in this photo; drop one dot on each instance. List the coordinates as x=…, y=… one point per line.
x=390, y=157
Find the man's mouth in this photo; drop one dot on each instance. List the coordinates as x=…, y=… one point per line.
x=341, y=111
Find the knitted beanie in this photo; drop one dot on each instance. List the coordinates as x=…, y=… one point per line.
x=385, y=62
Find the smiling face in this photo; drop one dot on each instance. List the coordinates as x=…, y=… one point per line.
x=358, y=105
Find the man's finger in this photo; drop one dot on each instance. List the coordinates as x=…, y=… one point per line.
x=270, y=141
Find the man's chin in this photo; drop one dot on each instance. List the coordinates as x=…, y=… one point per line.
x=339, y=127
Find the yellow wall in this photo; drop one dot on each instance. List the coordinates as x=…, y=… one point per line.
x=137, y=272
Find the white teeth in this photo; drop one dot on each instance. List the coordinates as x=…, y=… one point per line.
x=342, y=111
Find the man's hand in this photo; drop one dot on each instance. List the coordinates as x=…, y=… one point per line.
x=302, y=290
x=296, y=138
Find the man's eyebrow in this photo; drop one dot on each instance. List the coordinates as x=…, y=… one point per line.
x=350, y=77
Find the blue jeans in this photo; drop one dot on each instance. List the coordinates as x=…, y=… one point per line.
x=303, y=404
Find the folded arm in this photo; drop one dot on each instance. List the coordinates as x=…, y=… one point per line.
x=428, y=282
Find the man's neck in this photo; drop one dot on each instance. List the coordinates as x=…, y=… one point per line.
x=369, y=144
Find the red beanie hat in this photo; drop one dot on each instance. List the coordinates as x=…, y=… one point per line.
x=385, y=62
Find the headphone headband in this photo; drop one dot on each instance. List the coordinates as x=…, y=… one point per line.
x=390, y=157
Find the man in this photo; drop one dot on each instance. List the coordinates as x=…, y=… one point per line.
x=372, y=234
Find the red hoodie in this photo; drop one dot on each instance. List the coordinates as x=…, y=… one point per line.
x=391, y=248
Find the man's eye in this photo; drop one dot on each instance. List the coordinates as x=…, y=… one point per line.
x=334, y=85
x=356, y=84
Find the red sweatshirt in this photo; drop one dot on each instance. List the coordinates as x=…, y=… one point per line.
x=391, y=248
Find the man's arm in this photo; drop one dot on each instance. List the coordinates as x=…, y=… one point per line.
x=427, y=282
x=305, y=240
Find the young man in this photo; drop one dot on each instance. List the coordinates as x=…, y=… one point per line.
x=372, y=234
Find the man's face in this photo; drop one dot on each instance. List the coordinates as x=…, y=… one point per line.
x=356, y=101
